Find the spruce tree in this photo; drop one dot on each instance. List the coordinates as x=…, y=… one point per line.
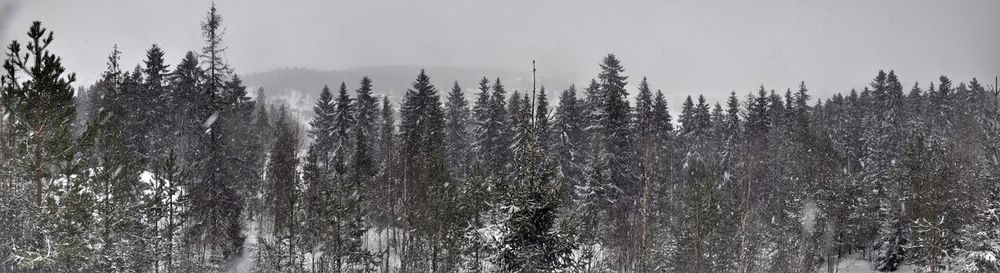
x=322, y=124
x=424, y=177
x=386, y=158
x=343, y=122
x=621, y=188
x=315, y=201
x=570, y=141
x=531, y=240
x=166, y=205
x=261, y=145
x=702, y=115
x=366, y=110
x=364, y=141
x=457, y=117
x=644, y=129
x=480, y=115
x=319, y=174
x=882, y=127
x=216, y=69
x=217, y=203
x=157, y=119
x=283, y=176
x=116, y=167
x=497, y=132
x=543, y=122
x=519, y=126
x=687, y=120
x=189, y=103
x=660, y=182
x=732, y=117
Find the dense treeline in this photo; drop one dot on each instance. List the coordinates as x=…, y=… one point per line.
x=176, y=169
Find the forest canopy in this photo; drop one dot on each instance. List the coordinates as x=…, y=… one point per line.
x=173, y=167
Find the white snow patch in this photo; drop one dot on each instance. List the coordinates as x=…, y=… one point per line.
x=855, y=264
x=808, y=217
x=211, y=120
x=146, y=177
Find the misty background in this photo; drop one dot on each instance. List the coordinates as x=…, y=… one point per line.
x=684, y=47
x=183, y=172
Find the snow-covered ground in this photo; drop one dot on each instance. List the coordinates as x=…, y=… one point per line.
x=854, y=264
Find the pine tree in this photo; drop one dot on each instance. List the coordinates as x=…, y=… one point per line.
x=37, y=100
x=43, y=103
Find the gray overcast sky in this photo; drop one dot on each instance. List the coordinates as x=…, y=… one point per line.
x=684, y=47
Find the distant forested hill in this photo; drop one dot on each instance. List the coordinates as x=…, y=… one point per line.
x=301, y=86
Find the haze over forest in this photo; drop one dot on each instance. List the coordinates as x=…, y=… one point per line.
x=706, y=47
x=415, y=137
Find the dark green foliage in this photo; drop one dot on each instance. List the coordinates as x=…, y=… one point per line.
x=531, y=240
x=180, y=171
x=457, y=118
x=38, y=114
x=217, y=202
x=38, y=100
x=281, y=171
x=570, y=142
